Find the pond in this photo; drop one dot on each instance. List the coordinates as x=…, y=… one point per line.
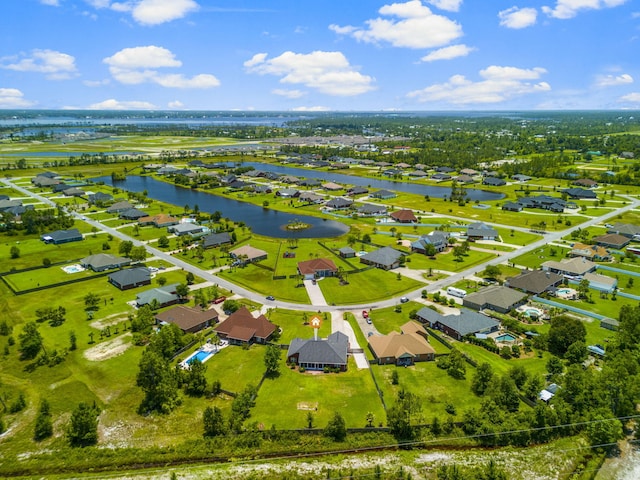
x=262, y=221
x=473, y=194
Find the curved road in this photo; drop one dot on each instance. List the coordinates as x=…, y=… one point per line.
x=259, y=298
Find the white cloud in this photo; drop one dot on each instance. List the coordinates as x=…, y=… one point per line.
x=633, y=97
x=449, y=5
x=498, y=84
x=149, y=12
x=328, y=72
x=415, y=26
x=113, y=104
x=317, y=108
x=447, y=53
x=515, y=17
x=613, y=80
x=96, y=83
x=51, y=3
x=288, y=93
x=176, y=105
x=13, y=98
x=139, y=65
x=565, y=9
x=56, y=65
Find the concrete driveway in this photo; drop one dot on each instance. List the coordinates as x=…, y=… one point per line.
x=339, y=325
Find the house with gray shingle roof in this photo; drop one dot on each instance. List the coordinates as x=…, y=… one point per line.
x=437, y=238
x=385, y=258
x=62, y=236
x=535, y=281
x=216, y=239
x=120, y=206
x=104, y=261
x=574, y=268
x=130, y=278
x=369, y=209
x=626, y=229
x=165, y=295
x=316, y=354
x=495, y=297
x=383, y=194
x=481, y=231
x=339, y=203
x=467, y=322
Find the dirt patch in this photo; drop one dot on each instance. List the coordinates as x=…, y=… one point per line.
x=307, y=405
x=108, y=349
x=109, y=321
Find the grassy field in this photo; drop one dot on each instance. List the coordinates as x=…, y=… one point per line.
x=293, y=325
x=287, y=399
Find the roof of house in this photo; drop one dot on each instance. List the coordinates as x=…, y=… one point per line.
x=100, y=260
x=347, y=250
x=215, y=239
x=249, y=251
x=625, y=228
x=480, y=229
x=187, y=318
x=73, y=192
x=601, y=279
x=466, y=323
x=159, y=219
x=332, y=351
x=577, y=266
x=100, y=197
x=370, y=209
x=589, y=250
x=436, y=238
x=411, y=341
x=383, y=256
x=496, y=295
x=241, y=325
x=496, y=182
x=61, y=235
x=288, y=192
x=586, y=182
x=580, y=193
x=534, y=281
x=165, y=294
x=186, y=228
x=612, y=239
x=339, y=203
x=332, y=186
x=130, y=276
x=119, y=207
x=383, y=194
x=405, y=215
x=317, y=264
x=133, y=213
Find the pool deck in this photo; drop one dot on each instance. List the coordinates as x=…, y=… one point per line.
x=208, y=348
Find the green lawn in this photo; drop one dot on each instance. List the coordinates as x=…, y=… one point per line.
x=446, y=261
x=286, y=400
x=293, y=325
x=537, y=257
x=261, y=280
x=431, y=384
x=45, y=276
x=366, y=287
x=235, y=367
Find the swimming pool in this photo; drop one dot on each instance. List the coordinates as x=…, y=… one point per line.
x=533, y=312
x=73, y=268
x=200, y=355
x=565, y=291
x=505, y=337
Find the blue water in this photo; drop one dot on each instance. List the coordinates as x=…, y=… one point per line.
x=262, y=221
x=200, y=355
x=505, y=338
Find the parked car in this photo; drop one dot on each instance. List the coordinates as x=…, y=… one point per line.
x=365, y=314
x=404, y=300
x=271, y=297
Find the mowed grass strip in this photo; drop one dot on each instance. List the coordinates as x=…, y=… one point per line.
x=293, y=325
x=261, y=280
x=285, y=401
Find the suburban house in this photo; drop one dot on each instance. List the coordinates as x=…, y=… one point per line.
x=458, y=326
x=468, y=171
x=404, y=216
x=405, y=348
x=347, y=252
x=535, y=281
x=386, y=258
x=495, y=297
x=241, y=328
x=513, y=206
x=73, y=192
x=62, y=236
x=519, y=177
x=339, y=203
x=248, y=254
x=481, y=231
x=579, y=193
x=609, y=324
x=317, y=268
x=44, y=181
x=119, y=207
x=188, y=319
x=445, y=169
x=383, y=194
x=626, y=229
x=544, y=202
x=60, y=187
x=288, y=193
x=493, y=181
x=370, y=210
x=316, y=354
x=311, y=197
x=602, y=283
x=161, y=220
x=612, y=240
x=464, y=179
x=572, y=268
x=586, y=183
x=437, y=238
x=417, y=173
x=590, y=252
x=99, y=198
x=132, y=214
x=216, y=239
x=104, y=261
x=440, y=177
x=163, y=296
x=332, y=187
x=130, y=278
x=357, y=190
x=186, y=229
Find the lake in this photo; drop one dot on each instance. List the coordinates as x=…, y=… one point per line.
x=262, y=221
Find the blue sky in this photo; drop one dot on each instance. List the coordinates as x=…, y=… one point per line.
x=297, y=55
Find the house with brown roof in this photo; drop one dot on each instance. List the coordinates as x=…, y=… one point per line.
x=404, y=216
x=612, y=240
x=248, y=254
x=159, y=221
x=586, y=183
x=332, y=187
x=241, y=328
x=187, y=319
x=590, y=252
x=405, y=348
x=317, y=268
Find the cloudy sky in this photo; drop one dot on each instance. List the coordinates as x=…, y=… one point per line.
x=349, y=55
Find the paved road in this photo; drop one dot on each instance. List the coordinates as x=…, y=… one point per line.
x=257, y=297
